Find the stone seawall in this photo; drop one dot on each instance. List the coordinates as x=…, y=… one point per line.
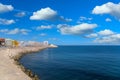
x=11, y=69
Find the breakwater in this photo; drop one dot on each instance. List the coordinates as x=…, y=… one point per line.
x=11, y=69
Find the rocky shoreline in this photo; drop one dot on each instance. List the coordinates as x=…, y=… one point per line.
x=16, y=58
x=17, y=71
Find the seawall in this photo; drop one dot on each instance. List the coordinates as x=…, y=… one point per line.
x=10, y=68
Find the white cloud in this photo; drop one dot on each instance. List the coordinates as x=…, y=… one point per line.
x=15, y=31
x=5, y=8
x=108, y=8
x=80, y=29
x=53, y=39
x=6, y=22
x=106, y=32
x=43, y=34
x=42, y=27
x=47, y=14
x=82, y=18
x=20, y=14
x=44, y=14
x=24, y=31
x=4, y=30
x=108, y=20
x=93, y=35
x=101, y=33
x=61, y=18
x=68, y=20
x=108, y=39
x=105, y=37
x=79, y=22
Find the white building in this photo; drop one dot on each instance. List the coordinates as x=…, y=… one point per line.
x=8, y=42
x=46, y=43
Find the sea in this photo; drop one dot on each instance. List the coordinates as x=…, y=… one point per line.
x=75, y=63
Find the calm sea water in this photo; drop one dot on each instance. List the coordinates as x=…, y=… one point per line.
x=75, y=63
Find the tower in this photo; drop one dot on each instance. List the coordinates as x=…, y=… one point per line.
x=45, y=43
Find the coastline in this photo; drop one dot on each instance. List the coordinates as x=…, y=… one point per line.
x=10, y=67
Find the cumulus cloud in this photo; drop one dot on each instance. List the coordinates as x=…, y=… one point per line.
x=42, y=27
x=53, y=39
x=43, y=34
x=24, y=31
x=106, y=32
x=108, y=20
x=108, y=39
x=47, y=14
x=67, y=20
x=5, y=8
x=82, y=18
x=44, y=14
x=6, y=22
x=93, y=35
x=20, y=14
x=105, y=36
x=4, y=30
x=61, y=18
x=108, y=8
x=80, y=29
x=15, y=31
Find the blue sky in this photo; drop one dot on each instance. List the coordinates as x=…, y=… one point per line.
x=61, y=22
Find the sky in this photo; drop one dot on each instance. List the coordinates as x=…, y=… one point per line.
x=61, y=22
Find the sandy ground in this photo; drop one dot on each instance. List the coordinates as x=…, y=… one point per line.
x=8, y=69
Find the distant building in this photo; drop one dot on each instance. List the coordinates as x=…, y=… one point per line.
x=2, y=41
x=22, y=44
x=15, y=43
x=45, y=43
x=11, y=43
x=8, y=43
